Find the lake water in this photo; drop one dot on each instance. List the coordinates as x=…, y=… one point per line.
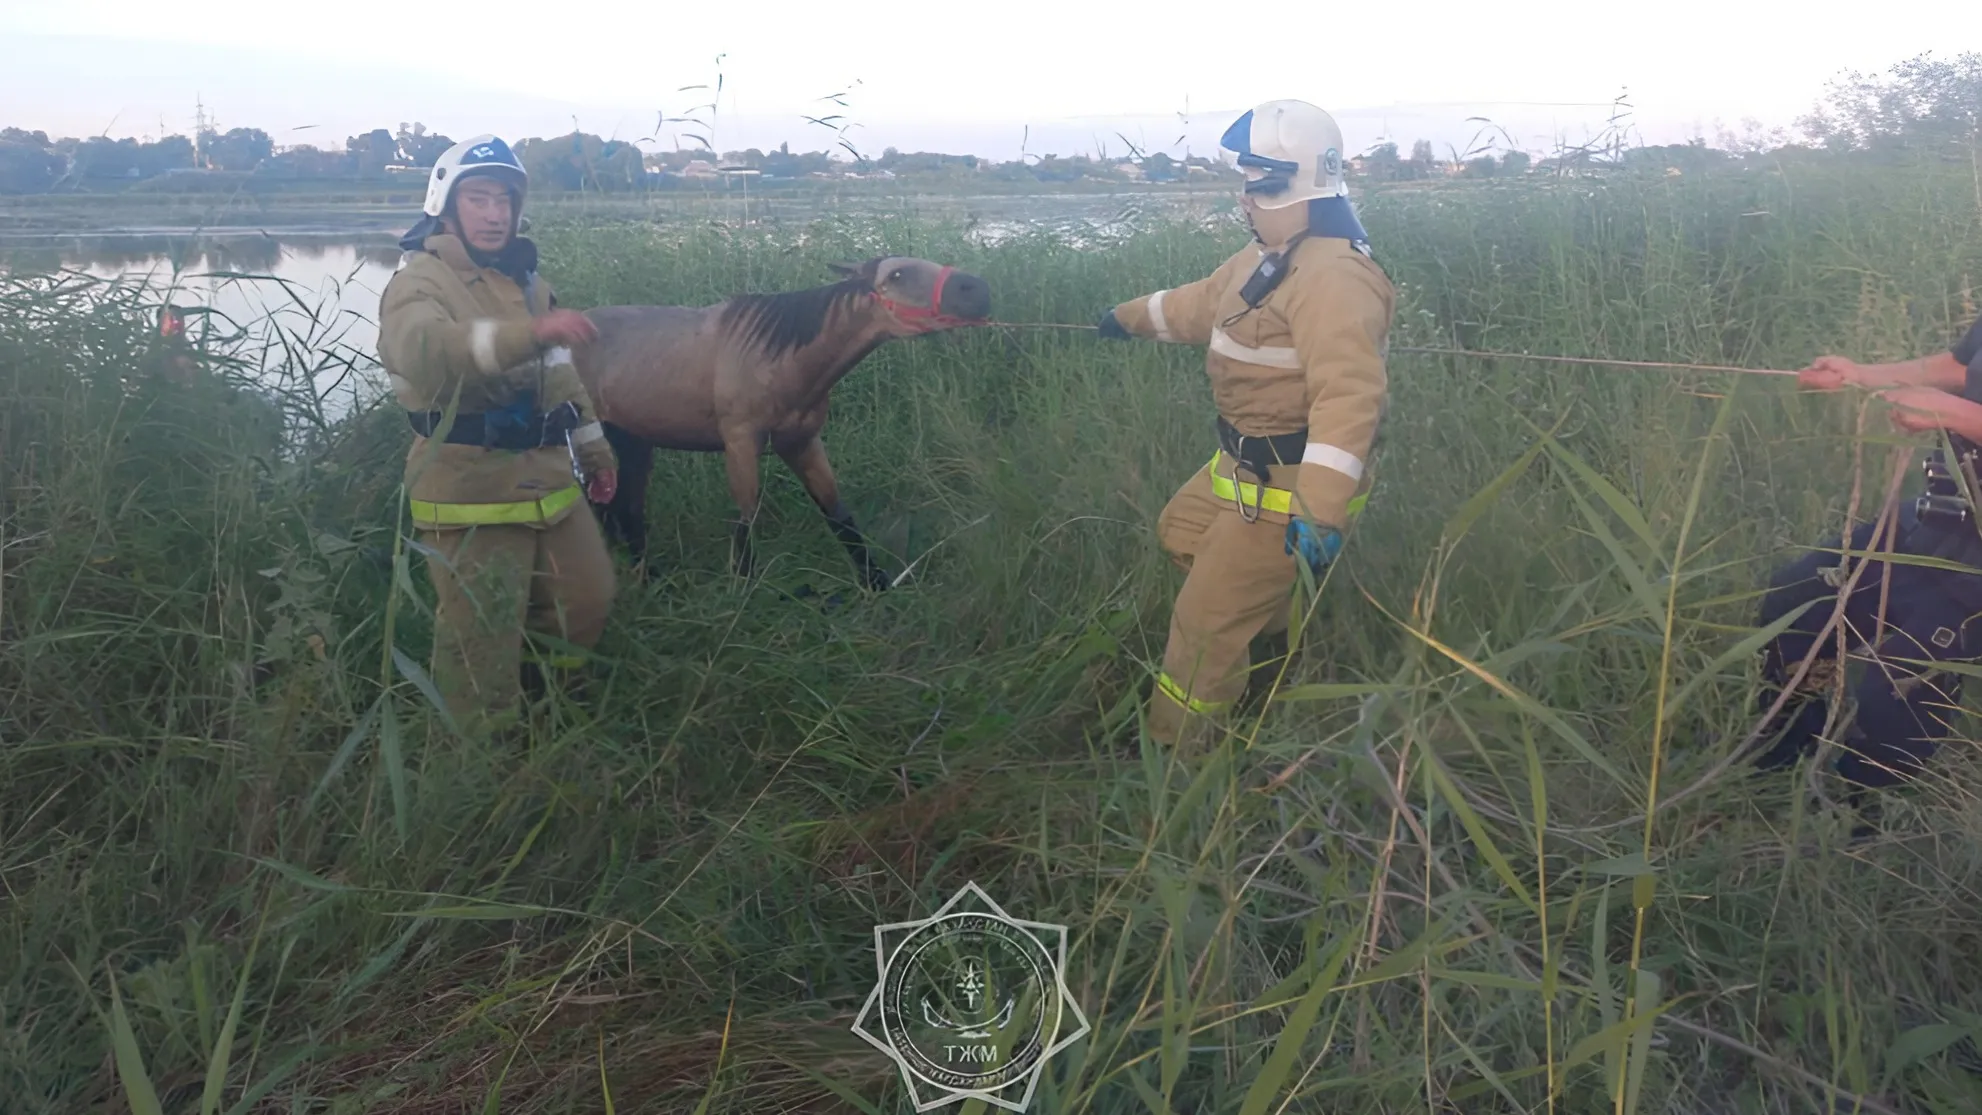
x=323, y=291
x=320, y=290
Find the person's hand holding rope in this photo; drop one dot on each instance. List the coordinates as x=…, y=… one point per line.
x=1830, y=373
x=1918, y=409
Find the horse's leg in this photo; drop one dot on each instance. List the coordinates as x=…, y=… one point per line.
x=740, y=461
x=625, y=516
x=816, y=473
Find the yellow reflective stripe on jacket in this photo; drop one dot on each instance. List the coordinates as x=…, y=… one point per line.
x=1278, y=500
x=485, y=514
x=1176, y=693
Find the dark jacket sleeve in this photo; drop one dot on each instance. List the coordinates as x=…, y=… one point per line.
x=1970, y=345
x=1968, y=351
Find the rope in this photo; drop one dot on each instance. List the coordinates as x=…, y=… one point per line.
x=1594, y=360
x=1480, y=355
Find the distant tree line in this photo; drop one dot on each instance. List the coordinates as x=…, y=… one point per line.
x=1923, y=103
x=31, y=163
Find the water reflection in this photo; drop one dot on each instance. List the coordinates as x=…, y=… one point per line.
x=253, y=254
x=314, y=295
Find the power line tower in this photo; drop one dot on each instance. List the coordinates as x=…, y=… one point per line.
x=202, y=125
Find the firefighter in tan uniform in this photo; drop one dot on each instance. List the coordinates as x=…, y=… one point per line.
x=1297, y=325
x=480, y=357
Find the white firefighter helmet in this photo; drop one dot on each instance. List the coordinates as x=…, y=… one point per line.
x=1289, y=151
x=482, y=155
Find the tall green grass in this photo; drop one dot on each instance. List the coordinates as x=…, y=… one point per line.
x=247, y=869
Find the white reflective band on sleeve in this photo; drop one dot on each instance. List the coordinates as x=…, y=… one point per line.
x=1230, y=349
x=556, y=356
x=1329, y=456
x=481, y=341
x=588, y=433
x=1156, y=317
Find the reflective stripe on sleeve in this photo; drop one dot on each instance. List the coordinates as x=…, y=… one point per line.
x=1156, y=318
x=1225, y=346
x=481, y=341
x=1335, y=457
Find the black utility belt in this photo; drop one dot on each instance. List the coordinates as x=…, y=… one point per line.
x=1945, y=519
x=1260, y=454
x=1944, y=529
x=1945, y=504
x=1943, y=511
x=501, y=429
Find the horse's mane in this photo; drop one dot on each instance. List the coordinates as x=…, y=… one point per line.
x=793, y=319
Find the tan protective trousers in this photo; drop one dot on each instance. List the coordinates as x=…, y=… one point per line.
x=491, y=583
x=1238, y=585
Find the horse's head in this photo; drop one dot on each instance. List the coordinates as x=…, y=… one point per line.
x=917, y=296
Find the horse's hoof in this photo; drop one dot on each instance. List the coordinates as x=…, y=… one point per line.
x=877, y=581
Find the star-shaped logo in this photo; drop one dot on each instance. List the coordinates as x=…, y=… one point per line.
x=971, y=1002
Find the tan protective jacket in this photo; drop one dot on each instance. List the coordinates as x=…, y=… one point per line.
x=1311, y=355
x=447, y=325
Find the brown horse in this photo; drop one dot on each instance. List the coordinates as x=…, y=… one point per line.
x=751, y=373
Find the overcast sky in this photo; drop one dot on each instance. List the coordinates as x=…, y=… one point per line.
x=959, y=76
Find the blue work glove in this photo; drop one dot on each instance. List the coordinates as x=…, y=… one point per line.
x=1111, y=329
x=515, y=416
x=1316, y=546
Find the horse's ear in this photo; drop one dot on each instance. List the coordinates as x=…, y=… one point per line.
x=866, y=270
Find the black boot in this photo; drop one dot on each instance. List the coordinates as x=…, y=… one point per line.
x=1269, y=655
x=1795, y=727
x=1794, y=730
x=1868, y=816
x=532, y=680
x=579, y=684
x=574, y=681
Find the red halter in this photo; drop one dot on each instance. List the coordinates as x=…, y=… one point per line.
x=925, y=318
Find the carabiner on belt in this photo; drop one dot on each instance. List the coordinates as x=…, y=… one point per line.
x=1239, y=486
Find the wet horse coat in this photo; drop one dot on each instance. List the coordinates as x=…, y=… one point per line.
x=754, y=372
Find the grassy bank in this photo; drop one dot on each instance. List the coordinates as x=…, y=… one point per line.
x=1423, y=884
